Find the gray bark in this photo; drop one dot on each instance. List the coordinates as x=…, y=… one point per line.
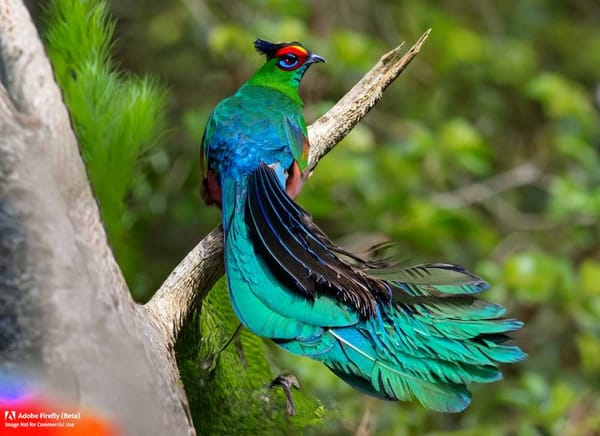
x=66, y=316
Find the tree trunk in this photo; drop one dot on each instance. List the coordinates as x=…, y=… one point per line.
x=68, y=321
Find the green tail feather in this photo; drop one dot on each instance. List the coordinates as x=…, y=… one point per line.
x=427, y=352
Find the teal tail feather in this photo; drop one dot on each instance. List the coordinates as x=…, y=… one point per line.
x=395, y=332
x=412, y=353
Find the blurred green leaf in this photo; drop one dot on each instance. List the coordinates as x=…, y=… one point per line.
x=589, y=278
x=588, y=346
x=535, y=277
x=560, y=97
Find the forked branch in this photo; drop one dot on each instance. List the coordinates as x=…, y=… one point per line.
x=203, y=266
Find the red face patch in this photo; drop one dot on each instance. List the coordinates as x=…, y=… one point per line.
x=297, y=50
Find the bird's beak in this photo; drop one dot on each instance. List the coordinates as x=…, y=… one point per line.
x=314, y=58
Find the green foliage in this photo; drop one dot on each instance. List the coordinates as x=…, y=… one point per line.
x=229, y=390
x=116, y=117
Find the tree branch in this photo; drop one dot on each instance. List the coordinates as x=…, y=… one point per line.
x=203, y=266
x=331, y=128
x=188, y=284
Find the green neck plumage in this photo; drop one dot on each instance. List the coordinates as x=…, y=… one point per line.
x=287, y=82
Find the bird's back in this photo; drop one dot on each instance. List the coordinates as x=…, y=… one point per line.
x=256, y=124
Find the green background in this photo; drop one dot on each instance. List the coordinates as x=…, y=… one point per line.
x=483, y=153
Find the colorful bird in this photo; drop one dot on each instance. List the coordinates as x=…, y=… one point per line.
x=395, y=332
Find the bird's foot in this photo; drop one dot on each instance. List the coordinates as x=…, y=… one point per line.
x=287, y=382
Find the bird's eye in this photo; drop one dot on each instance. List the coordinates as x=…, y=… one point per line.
x=288, y=62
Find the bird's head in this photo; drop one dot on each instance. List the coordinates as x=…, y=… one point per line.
x=286, y=64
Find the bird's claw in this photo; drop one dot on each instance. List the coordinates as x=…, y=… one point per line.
x=287, y=382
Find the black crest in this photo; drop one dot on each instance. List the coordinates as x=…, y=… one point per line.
x=270, y=48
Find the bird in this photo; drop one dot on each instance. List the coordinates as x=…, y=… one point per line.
x=390, y=330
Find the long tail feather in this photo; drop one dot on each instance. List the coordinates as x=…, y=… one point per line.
x=422, y=333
